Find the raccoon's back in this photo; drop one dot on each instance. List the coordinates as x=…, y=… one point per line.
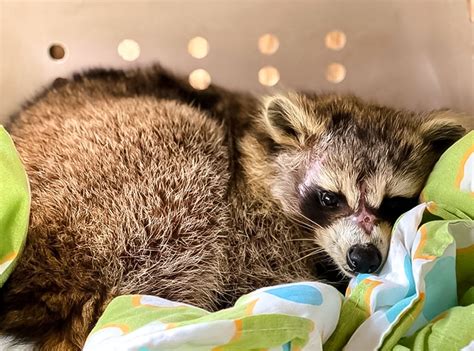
x=127, y=193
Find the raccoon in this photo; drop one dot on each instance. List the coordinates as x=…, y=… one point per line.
x=142, y=185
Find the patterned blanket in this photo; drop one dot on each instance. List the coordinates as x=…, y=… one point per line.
x=422, y=299
x=14, y=206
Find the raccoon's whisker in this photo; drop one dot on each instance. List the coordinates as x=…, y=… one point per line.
x=301, y=218
x=325, y=259
x=315, y=250
x=302, y=239
x=310, y=251
x=335, y=269
x=313, y=223
x=302, y=223
x=313, y=253
x=343, y=277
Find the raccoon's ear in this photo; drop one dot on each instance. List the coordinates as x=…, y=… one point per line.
x=442, y=129
x=286, y=119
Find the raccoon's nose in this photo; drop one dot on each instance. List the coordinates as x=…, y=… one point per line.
x=364, y=258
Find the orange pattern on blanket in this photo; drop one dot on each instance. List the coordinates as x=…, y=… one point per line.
x=432, y=207
x=465, y=250
x=419, y=307
x=136, y=300
x=250, y=307
x=419, y=250
x=122, y=327
x=439, y=317
x=460, y=175
x=372, y=284
x=238, y=330
x=171, y=326
x=237, y=334
x=8, y=257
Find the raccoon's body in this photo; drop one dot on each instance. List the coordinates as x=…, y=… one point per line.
x=141, y=185
x=133, y=193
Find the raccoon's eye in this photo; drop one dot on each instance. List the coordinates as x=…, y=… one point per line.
x=329, y=199
x=393, y=207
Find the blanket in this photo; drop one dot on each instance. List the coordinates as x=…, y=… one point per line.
x=422, y=299
x=14, y=206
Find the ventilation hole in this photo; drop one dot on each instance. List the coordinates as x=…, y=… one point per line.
x=335, y=73
x=57, y=51
x=335, y=40
x=199, y=79
x=268, y=44
x=129, y=50
x=198, y=47
x=59, y=82
x=268, y=76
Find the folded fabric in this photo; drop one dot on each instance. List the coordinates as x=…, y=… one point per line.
x=299, y=316
x=14, y=206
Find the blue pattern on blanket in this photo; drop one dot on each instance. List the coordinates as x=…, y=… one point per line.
x=396, y=310
x=442, y=274
x=299, y=293
x=409, y=274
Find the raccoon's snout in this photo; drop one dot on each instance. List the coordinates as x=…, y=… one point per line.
x=364, y=258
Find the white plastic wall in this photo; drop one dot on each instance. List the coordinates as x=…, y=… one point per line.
x=408, y=53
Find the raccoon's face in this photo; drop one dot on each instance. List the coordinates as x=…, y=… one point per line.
x=349, y=169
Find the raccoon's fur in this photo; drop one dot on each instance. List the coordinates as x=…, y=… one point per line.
x=141, y=185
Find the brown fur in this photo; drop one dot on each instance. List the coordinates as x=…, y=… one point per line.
x=141, y=185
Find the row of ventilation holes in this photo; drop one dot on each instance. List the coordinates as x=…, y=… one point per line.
x=198, y=47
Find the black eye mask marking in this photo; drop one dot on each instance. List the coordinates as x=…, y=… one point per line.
x=393, y=207
x=323, y=207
